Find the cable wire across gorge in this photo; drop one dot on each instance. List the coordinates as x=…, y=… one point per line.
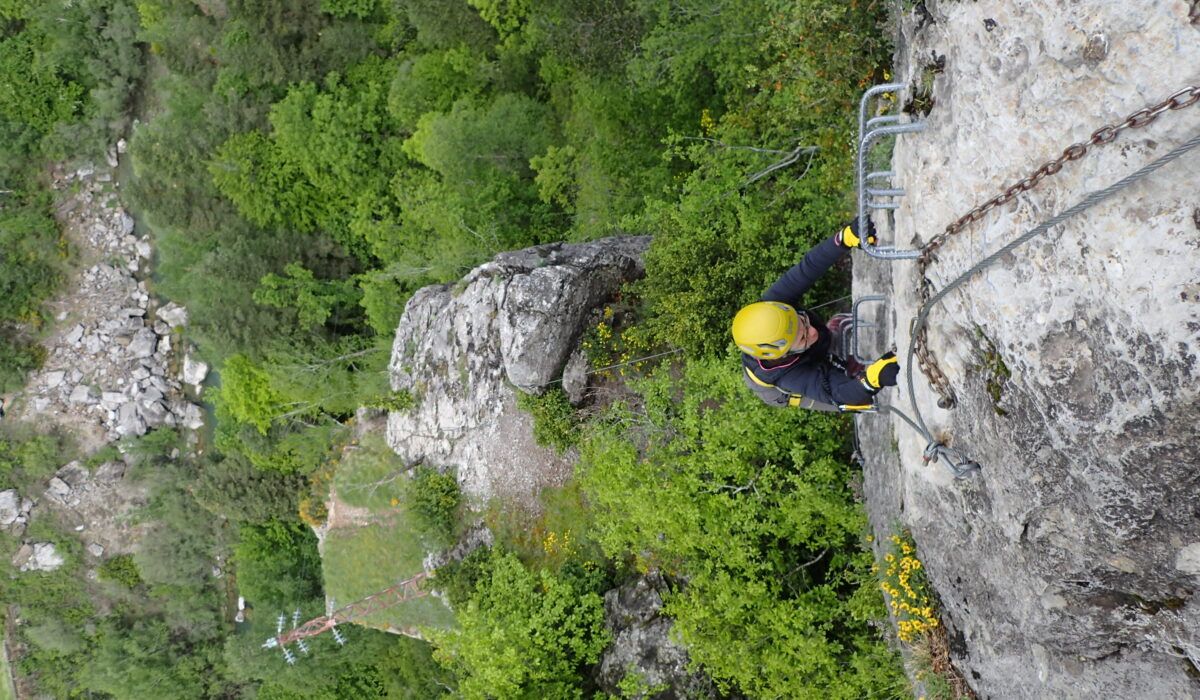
x=1104, y=135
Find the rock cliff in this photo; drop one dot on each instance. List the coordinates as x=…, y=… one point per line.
x=463, y=350
x=1068, y=566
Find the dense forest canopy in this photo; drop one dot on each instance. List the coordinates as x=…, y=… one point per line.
x=305, y=166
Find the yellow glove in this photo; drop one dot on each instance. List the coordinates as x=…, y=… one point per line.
x=848, y=236
x=882, y=372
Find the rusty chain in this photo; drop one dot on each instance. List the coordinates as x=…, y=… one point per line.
x=1104, y=135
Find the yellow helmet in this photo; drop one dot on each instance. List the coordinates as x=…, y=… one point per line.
x=766, y=329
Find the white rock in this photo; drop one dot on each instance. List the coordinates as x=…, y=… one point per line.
x=191, y=417
x=174, y=314
x=45, y=558
x=112, y=400
x=1188, y=559
x=129, y=422
x=144, y=250
x=53, y=379
x=121, y=145
x=194, y=371
x=81, y=394
x=75, y=334
x=58, y=489
x=143, y=344
x=10, y=507
x=154, y=413
x=96, y=549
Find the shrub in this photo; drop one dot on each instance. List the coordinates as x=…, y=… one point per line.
x=750, y=505
x=524, y=634
x=555, y=423
x=434, y=498
x=121, y=569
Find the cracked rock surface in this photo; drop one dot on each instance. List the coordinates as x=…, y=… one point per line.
x=464, y=350
x=1068, y=567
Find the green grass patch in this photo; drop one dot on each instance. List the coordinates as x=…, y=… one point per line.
x=361, y=561
x=371, y=476
x=7, y=691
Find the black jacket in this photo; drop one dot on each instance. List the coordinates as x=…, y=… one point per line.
x=809, y=373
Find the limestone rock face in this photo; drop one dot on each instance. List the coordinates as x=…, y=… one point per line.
x=1068, y=567
x=462, y=349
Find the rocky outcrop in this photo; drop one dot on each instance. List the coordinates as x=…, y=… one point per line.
x=642, y=646
x=463, y=350
x=111, y=369
x=93, y=503
x=38, y=556
x=1067, y=567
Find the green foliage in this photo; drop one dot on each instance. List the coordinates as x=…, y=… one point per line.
x=524, y=634
x=434, y=499
x=277, y=564
x=719, y=239
x=28, y=457
x=246, y=394
x=120, y=569
x=457, y=579
x=31, y=92
x=555, y=423
x=361, y=561
x=751, y=506
x=381, y=665
x=231, y=487
x=325, y=162
x=17, y=357
x=346, y=8
x=313, y=300
x=481, y=151
x=371, y=475
x=30, y=260
x=56, y=636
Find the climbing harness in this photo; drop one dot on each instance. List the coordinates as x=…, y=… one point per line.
x=935, y=450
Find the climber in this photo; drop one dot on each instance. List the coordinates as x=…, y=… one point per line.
x=791, y=356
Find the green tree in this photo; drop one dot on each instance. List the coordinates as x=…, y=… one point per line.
x=313, y=300
x=524, y=634
x=277, y=564
x=750, y=506
x=246, y=394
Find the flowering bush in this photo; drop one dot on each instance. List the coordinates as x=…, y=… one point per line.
x=909, y=597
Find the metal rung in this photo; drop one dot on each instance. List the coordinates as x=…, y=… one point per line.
x=855, y=322
x=869, y=132
x=886, y=119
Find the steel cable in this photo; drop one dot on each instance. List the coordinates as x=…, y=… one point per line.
x=935, y=448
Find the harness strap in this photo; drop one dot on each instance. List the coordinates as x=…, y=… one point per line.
x=799, y=400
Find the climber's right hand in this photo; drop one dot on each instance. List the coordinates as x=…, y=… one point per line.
x=848, y=236
x=882, y=372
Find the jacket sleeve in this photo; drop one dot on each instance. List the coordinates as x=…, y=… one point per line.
x=824, y=382
x=804, y=274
